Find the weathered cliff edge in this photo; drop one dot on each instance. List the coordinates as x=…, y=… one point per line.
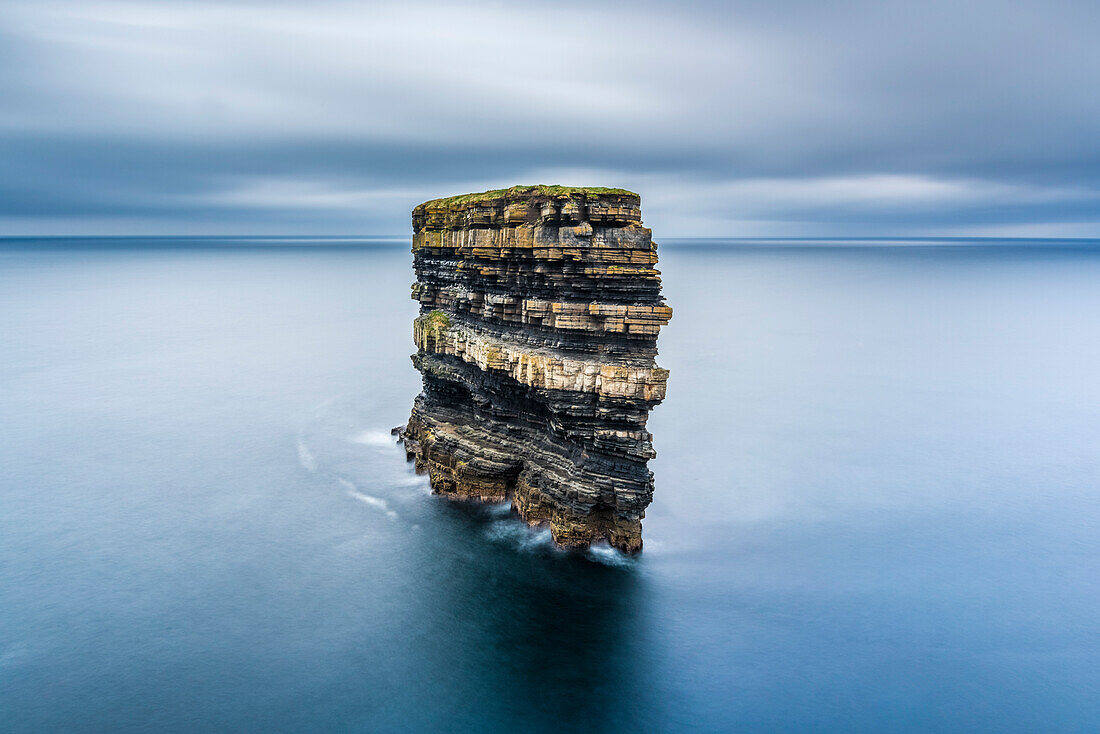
x=539, y=313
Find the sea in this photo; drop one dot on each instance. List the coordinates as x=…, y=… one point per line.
x=877, y=502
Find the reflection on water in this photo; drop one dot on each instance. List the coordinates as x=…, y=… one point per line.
x=875, y=508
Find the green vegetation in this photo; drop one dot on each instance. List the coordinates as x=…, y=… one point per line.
x=523, y=192
x=435, y=323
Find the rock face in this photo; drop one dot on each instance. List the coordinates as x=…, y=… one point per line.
x=539, y=313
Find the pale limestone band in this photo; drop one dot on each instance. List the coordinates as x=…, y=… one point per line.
x=493, y=354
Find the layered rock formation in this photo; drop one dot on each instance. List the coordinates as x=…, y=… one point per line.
x=539, y=313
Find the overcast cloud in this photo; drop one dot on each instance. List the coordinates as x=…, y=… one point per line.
x=739, y=119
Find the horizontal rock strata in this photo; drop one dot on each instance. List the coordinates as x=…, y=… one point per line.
x=539, y=314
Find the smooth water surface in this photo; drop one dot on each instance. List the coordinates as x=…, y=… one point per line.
x=876, y=507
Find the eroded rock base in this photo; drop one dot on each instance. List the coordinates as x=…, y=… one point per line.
x=436, y=451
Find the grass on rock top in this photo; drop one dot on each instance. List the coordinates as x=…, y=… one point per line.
x=525, y=192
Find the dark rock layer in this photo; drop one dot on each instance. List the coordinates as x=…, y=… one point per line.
x=539, y=313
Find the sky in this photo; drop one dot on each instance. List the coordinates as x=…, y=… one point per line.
x=769, y=118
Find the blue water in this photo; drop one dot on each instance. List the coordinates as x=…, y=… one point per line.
x=876, y=508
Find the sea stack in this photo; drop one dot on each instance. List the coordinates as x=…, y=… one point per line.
x=539, y=313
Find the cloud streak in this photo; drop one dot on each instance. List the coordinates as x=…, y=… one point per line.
x=744, y=118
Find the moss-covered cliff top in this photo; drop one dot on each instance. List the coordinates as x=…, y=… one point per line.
x=524, y=193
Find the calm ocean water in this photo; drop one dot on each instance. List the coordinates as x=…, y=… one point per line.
x=877, y=505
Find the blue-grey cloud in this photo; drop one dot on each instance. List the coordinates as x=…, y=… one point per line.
x=748, y=118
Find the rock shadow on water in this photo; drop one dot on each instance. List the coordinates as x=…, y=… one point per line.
x=523, y=635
